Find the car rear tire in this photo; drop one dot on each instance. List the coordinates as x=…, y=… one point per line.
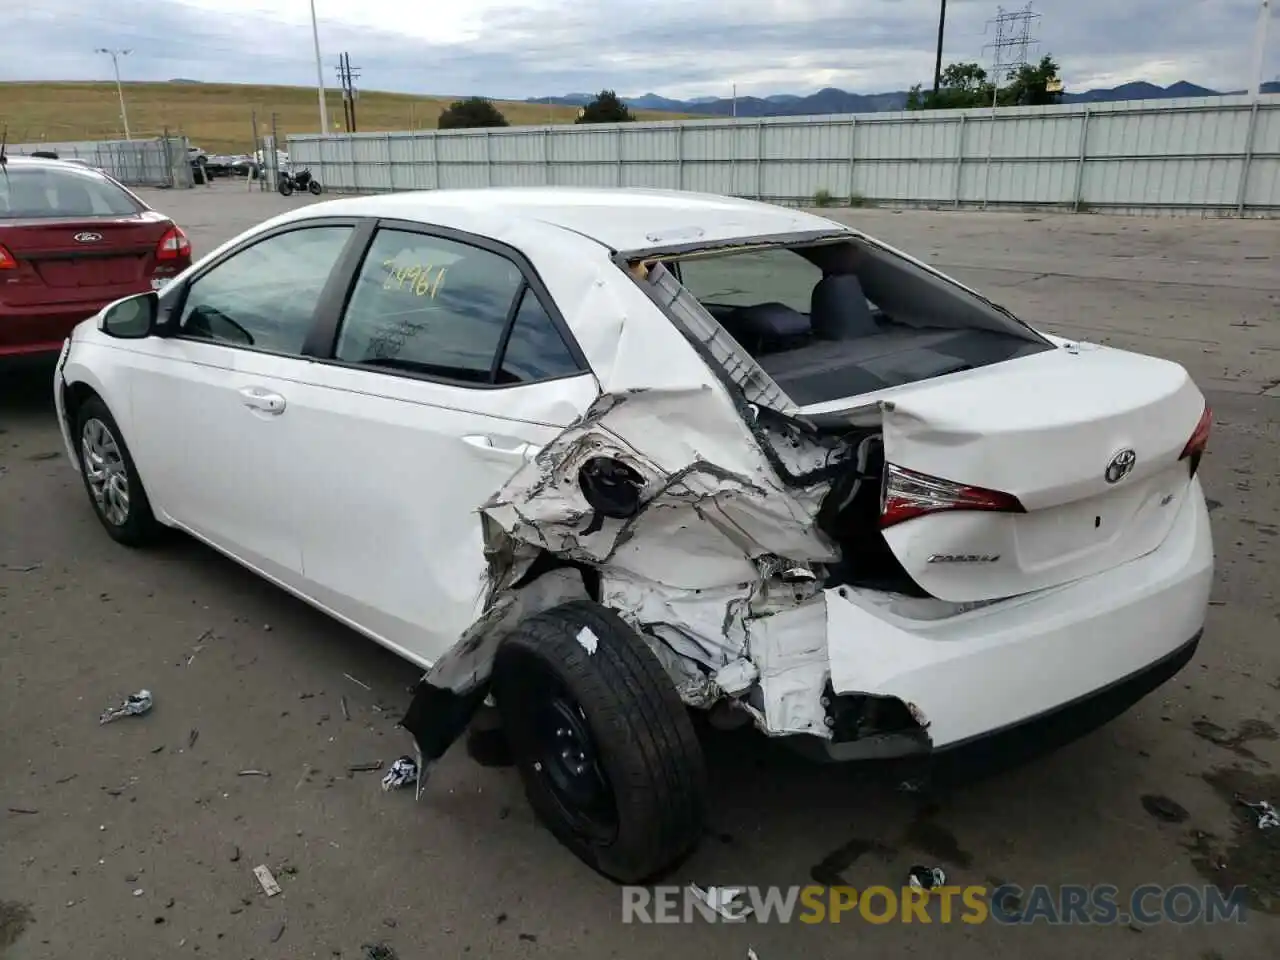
x=111, y=477
x=605, y=747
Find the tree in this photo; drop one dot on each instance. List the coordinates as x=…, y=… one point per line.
x=472, y=112
x=967, y=85
x=963, y=85
x=1034, y=85
x=606, y=108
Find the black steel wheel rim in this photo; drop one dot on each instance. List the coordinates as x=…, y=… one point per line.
x=568, y=761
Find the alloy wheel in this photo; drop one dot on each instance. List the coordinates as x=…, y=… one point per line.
x=105, y=470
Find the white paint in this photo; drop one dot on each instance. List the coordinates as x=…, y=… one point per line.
x=588, y=641
x=401, y=554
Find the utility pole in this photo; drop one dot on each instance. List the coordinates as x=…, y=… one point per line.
x=348, y=74
x=115, y=56
x=735, y=100
x=937, y=63
x=315, y=39
x=1260, y=49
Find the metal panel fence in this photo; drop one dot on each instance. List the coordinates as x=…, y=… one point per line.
x=158, y=162
x=1210, y=155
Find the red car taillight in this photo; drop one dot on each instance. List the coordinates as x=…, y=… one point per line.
x=1195, y=447
x=6, y=259
x=174, y=245
x=907, y=494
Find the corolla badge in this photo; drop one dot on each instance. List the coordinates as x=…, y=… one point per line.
x=1121, y=466
x=88, y=237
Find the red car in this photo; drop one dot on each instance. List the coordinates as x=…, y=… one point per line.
x=73, y=240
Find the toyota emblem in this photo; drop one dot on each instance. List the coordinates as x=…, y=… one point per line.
x=1121, y=466
x=88, y=237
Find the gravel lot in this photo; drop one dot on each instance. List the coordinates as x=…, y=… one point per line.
x=138, y=839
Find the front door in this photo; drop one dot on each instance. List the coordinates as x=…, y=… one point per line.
x=216, y=404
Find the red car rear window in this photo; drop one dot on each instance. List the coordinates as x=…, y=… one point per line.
x=49, y=192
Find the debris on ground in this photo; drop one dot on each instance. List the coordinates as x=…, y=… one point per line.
x=1268, y=816
x=268, y=882
x=253, y=773
x=369, y=767
x=926, y=878
x=404, y=771
x=723, y=900
x=192, y=737
x=346, y=714
x=1162, y=808
x=378, y=951
x=24, y=568
x=235, y=854
x=277, y=932
x=134, y=705
x=752, y=955
x=26, y=810
x=358, y=683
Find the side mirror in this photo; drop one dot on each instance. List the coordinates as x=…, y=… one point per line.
x=133, y=318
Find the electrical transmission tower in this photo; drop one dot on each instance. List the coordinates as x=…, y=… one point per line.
x=347, y=75
x=1011, y=45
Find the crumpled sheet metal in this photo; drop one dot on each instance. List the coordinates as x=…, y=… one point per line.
x=686, y=571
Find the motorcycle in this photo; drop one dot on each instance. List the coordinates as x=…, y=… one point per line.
x=302, y=180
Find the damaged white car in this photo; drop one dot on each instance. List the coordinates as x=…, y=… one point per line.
x=605, y=455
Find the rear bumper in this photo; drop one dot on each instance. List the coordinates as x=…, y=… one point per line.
x=1092, y=647
x=43, y=329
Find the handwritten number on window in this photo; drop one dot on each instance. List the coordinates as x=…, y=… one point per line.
x=420, y=279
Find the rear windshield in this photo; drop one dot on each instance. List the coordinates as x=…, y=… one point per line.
x=49, y=192
x=808, y=324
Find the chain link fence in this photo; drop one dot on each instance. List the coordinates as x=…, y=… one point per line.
x=155, y=162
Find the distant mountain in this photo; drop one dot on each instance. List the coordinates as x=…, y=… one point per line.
x=832, y=100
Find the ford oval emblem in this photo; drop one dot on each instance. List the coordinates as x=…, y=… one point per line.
x=88, y=237
x=1121, y=466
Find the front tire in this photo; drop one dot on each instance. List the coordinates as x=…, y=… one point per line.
x=605, y=747
x=111, y=477
x=314, y=187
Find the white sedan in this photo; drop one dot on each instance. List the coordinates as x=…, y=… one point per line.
x=605, y=454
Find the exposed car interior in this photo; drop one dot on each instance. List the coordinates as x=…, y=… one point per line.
x=836, y=320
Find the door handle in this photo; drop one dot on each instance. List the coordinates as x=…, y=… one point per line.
x=256, y=398
x=501, y=445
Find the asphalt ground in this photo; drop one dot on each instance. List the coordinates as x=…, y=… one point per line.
x=138, y=839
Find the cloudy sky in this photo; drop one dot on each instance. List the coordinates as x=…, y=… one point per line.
x=679, y=48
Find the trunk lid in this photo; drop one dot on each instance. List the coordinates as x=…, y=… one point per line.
x=113, y=257
x=1087, y=438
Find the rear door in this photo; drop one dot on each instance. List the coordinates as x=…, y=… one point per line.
x=75, y=235
x=450, y=367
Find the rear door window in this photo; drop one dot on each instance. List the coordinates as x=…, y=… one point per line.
x=50, y=192
x=441, y=308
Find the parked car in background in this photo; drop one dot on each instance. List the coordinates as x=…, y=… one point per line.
x=72, y=240
x=608, y=454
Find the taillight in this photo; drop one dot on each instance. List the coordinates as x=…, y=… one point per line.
x=174, y=245
x=1195, y=447
x=907, y=494
x=7, y=262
